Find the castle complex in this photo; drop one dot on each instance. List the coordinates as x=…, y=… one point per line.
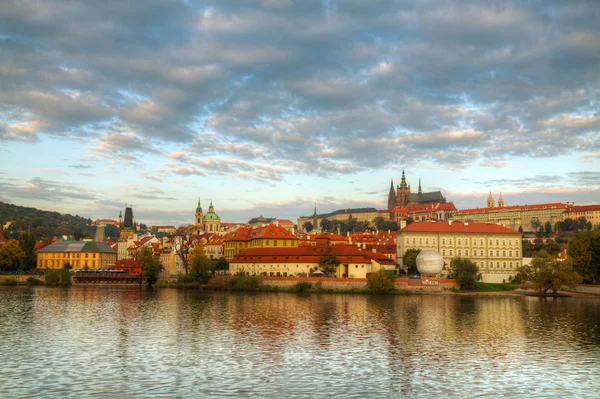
x=402, y=197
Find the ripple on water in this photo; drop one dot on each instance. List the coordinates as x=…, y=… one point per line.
x=104, y=342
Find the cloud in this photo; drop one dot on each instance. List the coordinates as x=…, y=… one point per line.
x=80, y=166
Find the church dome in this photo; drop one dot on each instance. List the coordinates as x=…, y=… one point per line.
x=211, y=216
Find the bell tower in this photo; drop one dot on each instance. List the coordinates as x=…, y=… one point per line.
x=501, y=201
x=403, y=191
x=490, y=201
x=199, y=223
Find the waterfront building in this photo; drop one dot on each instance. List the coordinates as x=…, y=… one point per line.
x=302, y=260
x=528, y=217
x=270, y=236
x=402, y=195
x=215, y=245
x=127, y=233
x=495, y=249
x=80, y=255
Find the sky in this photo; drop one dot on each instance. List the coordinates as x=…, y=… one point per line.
x=268, y=107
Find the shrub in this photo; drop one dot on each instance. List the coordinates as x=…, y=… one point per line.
x=52, y=277
x=9, y=281
x=302, y=286
x=245, y=283
x=33, y=281
x=380, y=282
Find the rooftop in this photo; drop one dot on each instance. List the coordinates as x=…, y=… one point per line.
x=457, y=227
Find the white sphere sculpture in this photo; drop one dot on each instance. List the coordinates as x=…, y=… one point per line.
x=430, y=262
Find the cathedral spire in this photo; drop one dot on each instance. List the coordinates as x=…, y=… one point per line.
x=392, y=197
x=403, y=181
x=501, y=201
x=419, y=185
x=490, y=201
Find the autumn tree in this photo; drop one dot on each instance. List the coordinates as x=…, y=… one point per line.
x=584, y=250
x=547, y=273
x=11, y=256
x=183, y=244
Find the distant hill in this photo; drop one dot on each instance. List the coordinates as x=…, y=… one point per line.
x=43, y=224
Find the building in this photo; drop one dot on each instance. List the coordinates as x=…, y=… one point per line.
x=214, y=246
x=80, y=255
x=495, y=249
x=127, y=233
x=436, y=211
x=527, y=217
x=199, y=221
x=360, y=214
x=402, y=196
x=105, y=222
x=590, y=212
x=301, y=261
x=164, y=229
x=270, y=236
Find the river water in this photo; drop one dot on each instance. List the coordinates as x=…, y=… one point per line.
x=123, y=342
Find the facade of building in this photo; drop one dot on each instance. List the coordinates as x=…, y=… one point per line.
x=271, y=236
x=590, y=212
x=402, y=196
x=80, y=255
x=360, y=214
x=528, y=217
x=436, y=211
x=495, y=249
x=302, y=260
x=127, y=234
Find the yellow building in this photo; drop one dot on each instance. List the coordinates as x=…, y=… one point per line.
x=495, y=249
x=271, y=236
x=528, y=217
x=90, y=254
x=590, y=212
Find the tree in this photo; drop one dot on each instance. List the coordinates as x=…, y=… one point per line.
x=547, y=273
x=409, y=260
x=325, y=225
x=308, y=226
x=380, y=282
x=110, y=230
x=151, y=266
x=548, y=227
x=589, y=226
x=552, y=247
x=27, y=244
x=581, y=222
x=329, y=264
x=584, y=250
x=201, y=266
x=381, y=223
x=11, y=256
x=222, y=264
x=520, y=229
x=409, y=220
x=464, y=271
x=183, y=243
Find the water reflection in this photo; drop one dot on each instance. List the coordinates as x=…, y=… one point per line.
x=130, y=342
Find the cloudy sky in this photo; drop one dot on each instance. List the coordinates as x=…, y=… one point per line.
x=268, y=106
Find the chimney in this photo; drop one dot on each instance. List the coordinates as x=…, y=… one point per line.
x=364, y=245
x=449, y=222
x=466, y=223
x=277, y=223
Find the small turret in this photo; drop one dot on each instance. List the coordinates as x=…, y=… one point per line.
x=501, y=201
x=490, y=201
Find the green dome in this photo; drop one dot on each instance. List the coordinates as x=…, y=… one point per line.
x=211, y=216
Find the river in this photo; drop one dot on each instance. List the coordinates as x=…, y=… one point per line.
x=126, y=342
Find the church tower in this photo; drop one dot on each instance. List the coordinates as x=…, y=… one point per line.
x=501, y=201
x=420, y=192
x=127, y=234
x=391, y=197
x=199, y=223
x=490, y=201
x=403, y=191
x=315, y=220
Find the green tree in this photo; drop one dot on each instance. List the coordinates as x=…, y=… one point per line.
x=409, y=260
x=584, y=249
x=380, y=282
x=11, y=256
x=381, y=223
x=548, y=228
x=222, y=264
x=464, y=271
x=409, y=220
x=308, y=226
x=547, y=273
x=110, y=230
x=552, y=247
x=325, y=225
x=535, y=225
x=151, y=266
x=520, y=229
x=201, y=267
x=329, y=264
x=27, y=244
x=581, y=223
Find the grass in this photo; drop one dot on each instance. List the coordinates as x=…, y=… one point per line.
x=491, y=287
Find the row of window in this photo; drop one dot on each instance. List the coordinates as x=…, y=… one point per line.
x=504, y=265
x=460, y=241
x=66, y=255
x=481, y=253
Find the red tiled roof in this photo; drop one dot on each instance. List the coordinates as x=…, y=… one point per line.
x=457, y=227
x=582, y=208
x=400, y=209
x=436, y=206
x=240, y=234
x=271, y=231
x=513, y=207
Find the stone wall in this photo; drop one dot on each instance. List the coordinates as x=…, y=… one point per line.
x=20, y=277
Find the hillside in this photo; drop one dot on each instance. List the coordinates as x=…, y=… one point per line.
x=43, y=224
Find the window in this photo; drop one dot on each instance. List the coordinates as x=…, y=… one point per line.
x=503, y=242
x=481, y=242
x=450, y=252
x=481, y=253
x=497, y=254
x=490, y=242
x=274, y=243
x=427, y=241
x=414, y=241
x=459, y=241
x=510, y=265
x=420, y=241
x=466, y=252
x=504, y=264
x=510, y=253
x=459, y=252
x=498, y=265
x=443, y=252
x=491, y=253
x=497, y=242
x=504, y=253
x=443, y=241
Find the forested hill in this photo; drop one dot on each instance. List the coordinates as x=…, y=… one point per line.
x=43, y=224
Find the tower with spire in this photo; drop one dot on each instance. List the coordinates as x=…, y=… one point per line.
x=199, y=223
x=392, y=197
x=127, y=233
x=403, y=191
x=420, y=192
x=315, y=220
x=501, y=201
x=490, y=201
